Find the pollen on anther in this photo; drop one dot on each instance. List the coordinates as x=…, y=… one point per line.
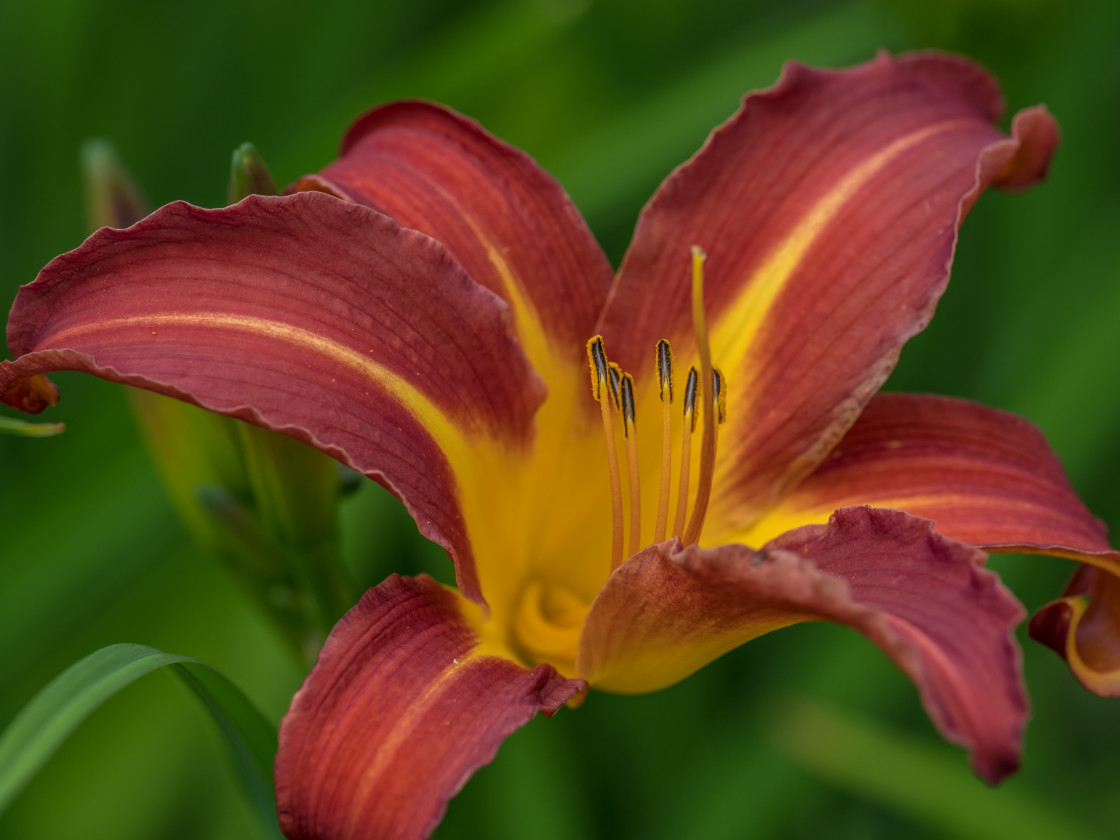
x=597, y=356
x=665, y=369
x=690, y=397
x=720, y=395
x=616, y=383
x=627, y=403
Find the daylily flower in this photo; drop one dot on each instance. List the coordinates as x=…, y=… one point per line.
x=427, y=309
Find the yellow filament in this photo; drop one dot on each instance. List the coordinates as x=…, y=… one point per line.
x=635, y=495
x=616, y=484
x=708, y=444
x=666, y=469
x=630, y=432
x=686, y=453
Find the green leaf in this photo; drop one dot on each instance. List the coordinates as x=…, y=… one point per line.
x=21, y=427
x=44, y=723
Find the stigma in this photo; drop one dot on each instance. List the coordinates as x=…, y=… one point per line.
x=703, y=404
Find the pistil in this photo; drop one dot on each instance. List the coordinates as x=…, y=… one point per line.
x=708, y=444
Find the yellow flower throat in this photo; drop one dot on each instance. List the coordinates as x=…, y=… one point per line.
x=548, y=617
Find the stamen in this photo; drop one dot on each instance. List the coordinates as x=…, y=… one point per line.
x=720, y=403
x=601, y=386
x=686, y=450
x=708, y=444
x=616, y=383
x=665, y=374
x=631, y=436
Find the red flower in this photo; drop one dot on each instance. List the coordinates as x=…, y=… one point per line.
x=430, y=330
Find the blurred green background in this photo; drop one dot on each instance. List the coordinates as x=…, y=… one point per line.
x=807, y=733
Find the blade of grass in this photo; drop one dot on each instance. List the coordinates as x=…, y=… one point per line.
x=44, y=723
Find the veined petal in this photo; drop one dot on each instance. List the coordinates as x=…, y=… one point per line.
x=515, y=231
x=508, y=222
x=985, y=477
x=304, y=314
x=1084, y=628
x=922, y=598
x=401, y=708
x=828, y=207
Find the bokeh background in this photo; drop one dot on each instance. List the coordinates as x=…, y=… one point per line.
x=809, y=732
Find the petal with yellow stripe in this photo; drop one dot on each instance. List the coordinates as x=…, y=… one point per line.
x=985, y=477
x=401, y=708
x=304, y=314
x=506, y=220
x=828, y=207
x=922, y=598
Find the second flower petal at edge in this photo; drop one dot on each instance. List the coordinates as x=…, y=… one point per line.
x=922, y=598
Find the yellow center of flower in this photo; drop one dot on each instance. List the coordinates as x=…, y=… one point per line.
x=548, y=609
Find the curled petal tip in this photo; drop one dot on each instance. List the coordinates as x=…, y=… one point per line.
x=31, y=394
x=1050, y=625
x=1035, y=131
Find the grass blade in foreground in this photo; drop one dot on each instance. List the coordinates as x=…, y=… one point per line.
x=44, y=723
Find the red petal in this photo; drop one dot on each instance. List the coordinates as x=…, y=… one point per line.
x=828, y=207
x=397, y=714
x=504, y=218
x=984, y=477
x=1087, y=635
x=922, y=598
x=305, y=314
x=987, y=478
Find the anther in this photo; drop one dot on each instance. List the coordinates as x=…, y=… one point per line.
x=601, y=387
x=720, y=400
x=616, y=383
x=665, y=370
x=690, y=398
x=665, y=375
x=598, y=364
x=627, y=404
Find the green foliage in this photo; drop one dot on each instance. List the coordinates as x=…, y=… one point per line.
x=56, y=711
